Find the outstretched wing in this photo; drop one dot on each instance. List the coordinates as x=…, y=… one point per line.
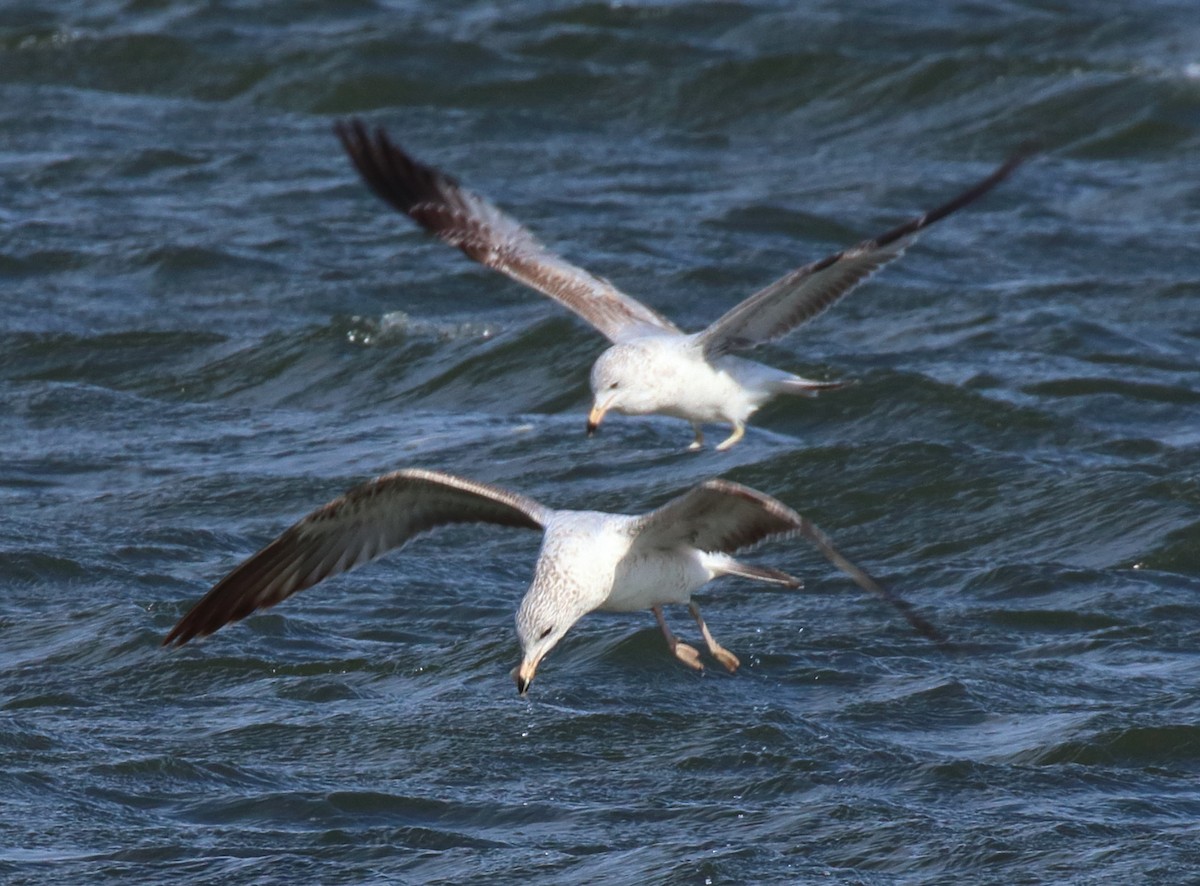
x=808, y=291
x=366, y=522
x=717, y=516
x=722, y=516
x=461, y=218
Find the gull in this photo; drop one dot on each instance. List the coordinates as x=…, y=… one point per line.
x=588, y=561
x=652, y=367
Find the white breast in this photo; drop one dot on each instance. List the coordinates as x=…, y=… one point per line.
x=655, y=578
x=595, y=557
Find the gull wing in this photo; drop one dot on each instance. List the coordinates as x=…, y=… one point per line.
x=807, y=292
x=366, y=522
x=464, y=219
x=720, y=516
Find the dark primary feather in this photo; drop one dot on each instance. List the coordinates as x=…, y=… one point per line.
x=464, y=219
x=720, y=516
x=867, y=583
x=366, y=522
x=808, y=291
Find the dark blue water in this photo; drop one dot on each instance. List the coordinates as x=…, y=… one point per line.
x=211, y=327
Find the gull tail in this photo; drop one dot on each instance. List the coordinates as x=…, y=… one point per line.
x=725, y=565
x=806, y=387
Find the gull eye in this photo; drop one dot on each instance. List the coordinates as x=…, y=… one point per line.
x=546, y=633
x=613, y=386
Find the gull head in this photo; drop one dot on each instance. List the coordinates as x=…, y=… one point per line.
x=542, y=620
x=622, y=381
x=549, y=610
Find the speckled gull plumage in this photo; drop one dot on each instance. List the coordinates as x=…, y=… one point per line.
x=652, y=366
x=589, y=560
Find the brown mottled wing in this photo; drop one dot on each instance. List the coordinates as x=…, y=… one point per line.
x=722, y=516
x=366, y=522
x=461, y=218
x=718, y=516
x=808, y=291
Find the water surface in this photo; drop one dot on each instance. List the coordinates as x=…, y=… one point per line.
x=211, y=327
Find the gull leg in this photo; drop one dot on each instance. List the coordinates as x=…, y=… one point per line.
x=689, y=655
x=698, y=443
x=720, y=653
x=739, y=431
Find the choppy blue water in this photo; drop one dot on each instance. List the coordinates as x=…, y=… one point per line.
x=210, y=327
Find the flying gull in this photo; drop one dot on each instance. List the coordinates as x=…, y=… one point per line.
x=589, y=560
x=652, y=366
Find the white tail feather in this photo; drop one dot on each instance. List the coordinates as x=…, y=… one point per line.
x=806, y=387
x=721, y=564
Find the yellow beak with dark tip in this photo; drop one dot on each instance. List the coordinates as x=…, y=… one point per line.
x=596, y=416
x=523, y=674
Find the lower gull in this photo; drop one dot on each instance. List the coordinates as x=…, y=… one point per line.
x=589, y=560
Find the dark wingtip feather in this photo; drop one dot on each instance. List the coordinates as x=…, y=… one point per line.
x=428, y=196
x=868, y=583
x=1003, y=171
x=206, y=618
x=390, y=173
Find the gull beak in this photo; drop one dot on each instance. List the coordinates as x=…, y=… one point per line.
x=522, y=675
x=596, y=416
